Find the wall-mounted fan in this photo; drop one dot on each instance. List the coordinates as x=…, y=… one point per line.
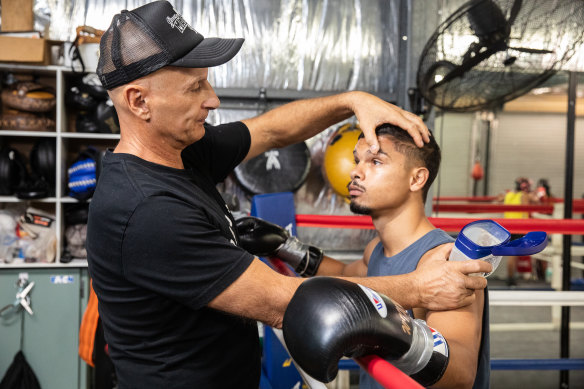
x=492, y=51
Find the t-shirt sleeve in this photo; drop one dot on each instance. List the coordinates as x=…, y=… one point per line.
x=174, y=250
x=221, y=149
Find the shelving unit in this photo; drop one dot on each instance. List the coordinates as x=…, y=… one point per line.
x=62, y=136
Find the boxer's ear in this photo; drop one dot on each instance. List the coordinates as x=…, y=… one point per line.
x=418, y=178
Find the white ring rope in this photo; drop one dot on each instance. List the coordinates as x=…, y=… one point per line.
x=535, y=298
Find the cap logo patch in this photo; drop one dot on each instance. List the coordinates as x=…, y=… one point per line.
x=177, y=21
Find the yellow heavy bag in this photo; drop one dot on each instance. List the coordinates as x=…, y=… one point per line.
x=338, y=157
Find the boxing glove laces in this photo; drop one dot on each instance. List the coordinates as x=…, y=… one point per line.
x=328, y=318
x=266, y=239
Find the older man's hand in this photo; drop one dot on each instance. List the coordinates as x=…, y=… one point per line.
x=372, y=112
x=444, y=285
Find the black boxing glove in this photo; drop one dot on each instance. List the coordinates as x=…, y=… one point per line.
x=328, y=318
x=266, y=239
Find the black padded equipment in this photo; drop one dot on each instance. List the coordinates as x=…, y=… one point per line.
x=276, y=170
x=90, y=84
x=107, y=118
x=12, y=171
x=75, y=98
x=76, y=214
x=43, y=159
x=86, y=122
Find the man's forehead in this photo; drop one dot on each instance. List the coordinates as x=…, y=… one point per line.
x=188, y=71
x=385, y=146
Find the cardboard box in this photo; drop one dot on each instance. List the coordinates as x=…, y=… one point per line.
x=17, y=15
x=27, y=50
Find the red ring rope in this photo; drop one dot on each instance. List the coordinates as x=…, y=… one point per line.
x=488, y=199
x=551, y=226
x=386, y=374
x=494, y=208
x=469, y=199
x=500, y=208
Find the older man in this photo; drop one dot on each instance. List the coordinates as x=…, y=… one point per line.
x=178, y=297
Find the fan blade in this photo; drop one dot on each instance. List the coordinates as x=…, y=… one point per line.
x=515, y=11
x=531, y=51
x=460, y=70
x=486, y=20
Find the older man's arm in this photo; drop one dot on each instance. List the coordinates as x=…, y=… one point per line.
x=302, y=119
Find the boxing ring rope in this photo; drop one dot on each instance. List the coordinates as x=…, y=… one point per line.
x=480, y=199
x=498, y=208
x=486, y=199
x=550, y=226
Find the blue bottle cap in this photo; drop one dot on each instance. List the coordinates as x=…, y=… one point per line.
x=530, y=244
x=475, y=251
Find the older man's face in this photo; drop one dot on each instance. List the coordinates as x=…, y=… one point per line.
x=181, y=99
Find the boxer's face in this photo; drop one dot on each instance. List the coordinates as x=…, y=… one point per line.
x=379, y=181
x=181, y=100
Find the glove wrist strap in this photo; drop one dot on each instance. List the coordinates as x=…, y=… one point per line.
x=303, y=258
x=313, y=259
x=292, y=252
x=420, y=350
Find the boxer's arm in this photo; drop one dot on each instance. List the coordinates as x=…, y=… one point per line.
x=262, y=238
x=357, y=268
x=302, y=119
x=462, y=330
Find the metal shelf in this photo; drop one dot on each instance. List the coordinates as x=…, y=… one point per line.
x=81, y=135
x=14, y=199
x=35, y=265
x=29, y=134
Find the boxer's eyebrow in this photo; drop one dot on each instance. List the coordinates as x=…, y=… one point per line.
x=369, y=152
x=380, y=151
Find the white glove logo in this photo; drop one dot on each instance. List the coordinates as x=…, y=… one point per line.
x=272, y=161
x=439, y=342
x=376, y=300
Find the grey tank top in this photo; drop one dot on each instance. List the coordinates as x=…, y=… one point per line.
x=406, y=261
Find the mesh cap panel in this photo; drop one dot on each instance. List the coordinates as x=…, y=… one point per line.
x=152, y=36
x=128, y=52
x=136, y=46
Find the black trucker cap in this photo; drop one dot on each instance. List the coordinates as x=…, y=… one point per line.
x=143, y=40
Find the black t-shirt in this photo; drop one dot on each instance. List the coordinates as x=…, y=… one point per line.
x=161, y=245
